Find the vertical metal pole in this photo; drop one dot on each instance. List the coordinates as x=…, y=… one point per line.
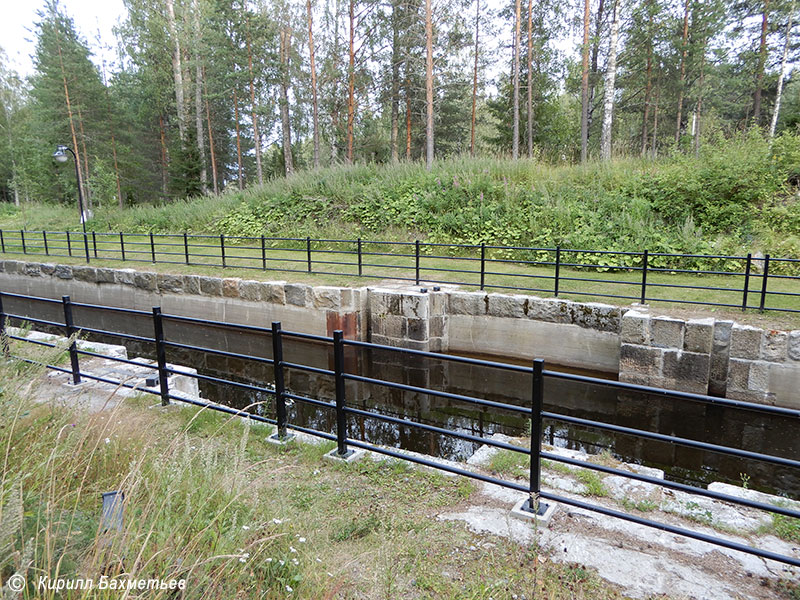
x=746, y=280
x=416, y=253
x=222, y=248
x=536, y=433
x=263, y=253
x=3, y=338
x=86, y=243
x=152, y=248
x=69, y=243
x=280, y=389
x=94, y=243
x=360, y=259
x=558, y=271
x=122, y=245
x=765, y=277
x=338, y=367
x=161, y=355
x=186, y=246
x=44, y=239
x=2, y=242
x=308, y=252
x=644, y=278
x=69, y=326
x=22, y=237
x=483, y=264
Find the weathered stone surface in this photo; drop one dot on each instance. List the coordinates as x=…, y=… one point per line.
x=417, y=329
x=794, y=344
x=350, y=299
x=13, y=266
x=85, y=274
x=125, y=276
x=105, y=275
x=274, y=292
x=145, y=281
x=738, y=374
x=641, y=360
x=594, y=315
x=33, y=269
x=774, y=345
x=390, y=326
x=251, y=290
x=686, y=371
x=722, y=333
x=297, y=294
x=191, y=284
x=48, y=268
x=666, y=332
x=699, y=335
x=437, y=326
x=230, y=287
x=211, y=286
x=327, y=297
x=550, y=310
x=745, y=342
x=501, y=305
x=635, y=328
x=413, y=306
x=758, y=379
x=468, y=303
x=438, y=303
x=169, y=284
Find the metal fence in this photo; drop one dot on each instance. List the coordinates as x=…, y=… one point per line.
x=337, y=345
x=736, y=282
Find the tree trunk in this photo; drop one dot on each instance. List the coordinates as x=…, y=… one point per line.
x=655, y=118
x=314, y=104
x=164, y=165
x=594, y=70
x=429, y=84
x=285, y=123
x=647, y=91
x=515, y=117
x=762, y=59
x=682, y=79
x=408, y=123
x=335, y=95
x=395, y=117
x=177, y=71
x=211, y=143
x=611, y=74
x=700, y=100
x=238, y=139
x=475, y=81
x=256, y=134
x=585, y=86
x=198, y=99
x=351, y=85
x=113, y=138
x=782, y=76
x=530, y=79
x=87, y=188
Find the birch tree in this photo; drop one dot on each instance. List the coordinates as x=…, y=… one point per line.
x=611, y=73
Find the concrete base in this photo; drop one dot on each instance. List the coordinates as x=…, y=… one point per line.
x=351, y=456
x=280, y=441
x=523, y=512
x=74, y=386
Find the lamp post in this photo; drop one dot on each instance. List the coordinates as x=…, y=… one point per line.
x=60, y=155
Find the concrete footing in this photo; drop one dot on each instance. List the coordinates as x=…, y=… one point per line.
x=279, y=440
x=351, y=456
x=522, y=510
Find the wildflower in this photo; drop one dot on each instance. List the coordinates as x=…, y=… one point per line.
x=245, y=527
x=295, y=561
x=269, y=559
x=289, y=588
x=281, y=562
x=277, y=521
x=108, y=441
x=302, y=540
x=292, y=549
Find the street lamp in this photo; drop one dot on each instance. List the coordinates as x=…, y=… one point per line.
x=60, y=155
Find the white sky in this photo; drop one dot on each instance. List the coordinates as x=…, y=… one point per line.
x=18, y=17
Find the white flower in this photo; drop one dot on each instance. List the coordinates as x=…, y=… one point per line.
x=242, y=560
x=292, y=549
x=269, y=560
x=245, y=527
x=319, y=560
x=277, y=521
x=281, y=562
x=302, y=540
x=108, y=441
x=295, y=561
x=289, y=588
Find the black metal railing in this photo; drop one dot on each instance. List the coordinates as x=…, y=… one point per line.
x=735, y=282
x=337, y=344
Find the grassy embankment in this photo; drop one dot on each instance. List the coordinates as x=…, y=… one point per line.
x=208, y=500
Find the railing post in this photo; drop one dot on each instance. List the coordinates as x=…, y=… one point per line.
x=746, y=280
x=263, y=253
x=558, y=271
x=280, y=389
x=359, y=258
x=416, y=253
x=22, y=237
x=537, y=405
x=222, y=248
x=643, y=299
x=186, y=246
x=341, y=417
x=69, y=326
x=94, y=243
x=483, y=264
x=765, y=277
x=152, y=248
x=86, y=245
x=3, y=336
x=308, y=252
x=2, y=242
x=122, y=245
x=44, y=239
x=161, y=355
x=69, y=243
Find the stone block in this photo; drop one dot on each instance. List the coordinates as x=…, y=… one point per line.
x=794, y=344
x=169, y=284
x=327, y=297
x=85, y=274
x=699, y=335
x=437, y=326
x=145, y=281
x=641, y=360
x=413, y=306
x=106, y=275
x=550, y=310
x=48, y=268
x=392, y=326
x=469, y=303
x=191, y=284
x=2, y=266
x=745, y=342
x=274, y=292
x=349, y=299
x=686, y=371
x=297, y=294
x=438, y=303
x=502, y=305
x=595, y=315
x=635, y=328
x=758, y=379
x=417, y=329
x=211, y=286
x=666, y=332
x=774, y=345
x=33, y=270
x=722, y=333
x=122, y=276
x=250, y=290
x=230, y=287
x=738, y=374
x=12, y=266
